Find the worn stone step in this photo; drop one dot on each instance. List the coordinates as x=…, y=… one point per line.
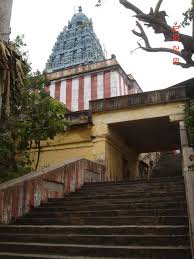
x=133, y=186
x=97, y=230
x=131, y=205
x=123, y=220
x=45, y=256
x=138, y=181
x=115, y=191
x=122, y=240
x=119, y=196
x=160, y=252
x=113, y=200
x=97, y=213
x=153, y=182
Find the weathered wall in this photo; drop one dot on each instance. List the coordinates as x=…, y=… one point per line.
x=99, y=144
x=121, y=161
x=18, y=196
x=188, y=170
x=116, y=149
x=189, y=184
x=68, y=145
x=101, y=119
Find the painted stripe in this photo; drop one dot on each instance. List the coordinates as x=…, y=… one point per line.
x=120, y=89
x=67, y=181
x=52, y=89
x=117, y=80
x=94, y=87
x=122, y=86
x=14, y=200
x=57, y=90
x=1, y=206
x=113, y=83
x=68, y=93
x=107, y=84
x=76, y=181
x=100, y=86
x=127, y=87
x=81, y=94
x=63, y=92
x=75, y=90
x=87, y=91
x=124, y=89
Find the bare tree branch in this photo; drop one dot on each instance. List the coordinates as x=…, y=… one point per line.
x=158, y=6
x=157, y=20
x=142, y=34
x=130, y=6
x=148, y=47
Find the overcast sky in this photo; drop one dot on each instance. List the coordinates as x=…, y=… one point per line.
x=42, y=20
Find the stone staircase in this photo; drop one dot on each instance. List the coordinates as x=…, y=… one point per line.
x=169, y=164
x=126, y=219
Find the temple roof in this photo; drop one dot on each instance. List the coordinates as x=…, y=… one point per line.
x=77, y=44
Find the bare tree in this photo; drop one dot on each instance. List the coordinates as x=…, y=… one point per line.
x=156, y=19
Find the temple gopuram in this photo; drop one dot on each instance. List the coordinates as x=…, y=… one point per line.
x=78, y=71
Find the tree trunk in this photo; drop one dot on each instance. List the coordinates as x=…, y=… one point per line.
x=5, y=17
x=38, y=158
x=192, y=3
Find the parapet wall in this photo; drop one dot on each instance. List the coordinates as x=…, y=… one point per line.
x=18, y=196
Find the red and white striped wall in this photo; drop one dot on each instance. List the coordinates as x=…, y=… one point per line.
x=76, y=92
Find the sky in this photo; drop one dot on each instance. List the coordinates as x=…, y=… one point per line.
x=42, y=20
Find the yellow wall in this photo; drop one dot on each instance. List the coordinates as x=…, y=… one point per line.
x=116, y=152
x=75, y=143
x=99, y=143
x=101, y=119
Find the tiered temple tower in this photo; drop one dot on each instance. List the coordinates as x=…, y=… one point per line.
x=77, y=44
x=78, y=71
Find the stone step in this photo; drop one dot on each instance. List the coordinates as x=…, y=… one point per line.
x=123, y=220
x=101, y=207
x=119, y=196
x=97, y=213
x=114, y=200
x=154, y=182
x=167, y=185
x=44, y=256
x=137, y=181
x=127, y=190
x=97, y=230
x=159, y=252
x=117, y=240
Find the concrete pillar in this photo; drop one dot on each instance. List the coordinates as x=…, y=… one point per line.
x=5, y=17
x=188, y=171
x=186, y=150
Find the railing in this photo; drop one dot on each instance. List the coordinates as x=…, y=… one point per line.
x=146, y=98
x=189, y=185
x=18, y=196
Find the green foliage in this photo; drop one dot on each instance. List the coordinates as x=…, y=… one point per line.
x=189, y=119
x=188, y=17
x=42, y=117
x=33, y=117
x=36, y=80
x=14, y=173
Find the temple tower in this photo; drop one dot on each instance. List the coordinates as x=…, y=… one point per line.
x=77, y=69
x=77, y=44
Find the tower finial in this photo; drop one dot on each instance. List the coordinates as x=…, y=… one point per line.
x=80, y=9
